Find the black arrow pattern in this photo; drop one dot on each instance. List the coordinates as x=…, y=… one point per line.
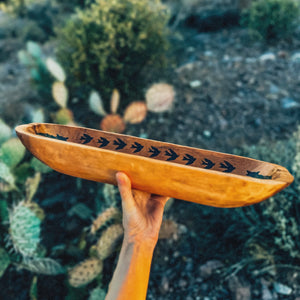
x=207, y=163
x=138, y=147
x=189, y=158
x=154, y=151
x=103, y=141
x=86, y=138
x=227, y=166
x=257, y=175
x=121, y=144
x=173, y=155
x=57, y=137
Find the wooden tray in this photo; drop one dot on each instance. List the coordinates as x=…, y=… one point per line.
x=191, y=174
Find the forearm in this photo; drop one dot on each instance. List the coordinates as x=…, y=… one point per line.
x=130, y=279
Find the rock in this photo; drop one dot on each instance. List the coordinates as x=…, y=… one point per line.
x=250, y=60
x=282, y=289
x=288, y=103
x=207, y=133
x=240, y=291
x=296, y=57
x=274, y=89
x=208, y=53
x=267, y=56
x=282, y=54
x=209, y=268
x=266, y=293
x=195, y=83
x=164, y=286
x=182, y=283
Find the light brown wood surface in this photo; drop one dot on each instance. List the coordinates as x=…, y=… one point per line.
x=201, y=176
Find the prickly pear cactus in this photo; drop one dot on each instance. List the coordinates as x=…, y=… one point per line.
x=85, y=272
x=97, y=294
x=25, y=227
x=108, y=241
x=5, y=131
x=12, y=152
x=45, y=266
x=4, y=261
x=109, y=214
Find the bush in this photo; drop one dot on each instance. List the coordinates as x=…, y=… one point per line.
x=271, y=19
x=107, y=45
x=273, y=225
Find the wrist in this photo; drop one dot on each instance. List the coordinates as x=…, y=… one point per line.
x=138, y=242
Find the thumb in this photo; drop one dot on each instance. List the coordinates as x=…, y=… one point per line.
x=124, y=186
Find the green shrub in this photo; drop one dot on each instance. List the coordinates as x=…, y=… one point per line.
x=273, y=225
x=107, y=45
x=271, y=19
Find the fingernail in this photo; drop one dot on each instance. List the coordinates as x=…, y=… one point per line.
x=119, y=177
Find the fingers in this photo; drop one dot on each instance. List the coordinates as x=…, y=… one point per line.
x=124, y=186
x=162, y=199
x=131, y=198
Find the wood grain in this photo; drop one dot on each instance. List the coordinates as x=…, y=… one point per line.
x=201, y=176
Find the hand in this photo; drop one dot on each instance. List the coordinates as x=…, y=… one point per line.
x=142, y=212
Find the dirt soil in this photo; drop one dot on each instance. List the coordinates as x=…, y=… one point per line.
x=230, y=92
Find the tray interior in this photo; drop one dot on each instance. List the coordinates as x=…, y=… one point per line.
x=172, y=153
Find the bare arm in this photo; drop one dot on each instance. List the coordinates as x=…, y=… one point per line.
x=142, y=217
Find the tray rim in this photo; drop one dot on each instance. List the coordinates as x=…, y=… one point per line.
x=23, y=129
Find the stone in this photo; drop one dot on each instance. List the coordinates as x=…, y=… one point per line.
x=282, y=288
x=288, y=103
x=282, y=54
x=267, y=56
x=239, y=290
x=266, y=293
x=164, y=286
x=274, y=89
x=296, y=57
x=195, y=83
x=207, y=133
x=209, y=268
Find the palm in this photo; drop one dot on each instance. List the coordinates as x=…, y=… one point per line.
x=142, y=212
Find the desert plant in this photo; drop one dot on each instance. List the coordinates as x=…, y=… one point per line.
x=273, y=226
x=109, y=43
x=271, y=19
x=25, y=227
x=34, y=60
x=60, y=94
x=13, y=170
x=85, y=272
x=23, y=222
x=20, y=222
x=159, y=98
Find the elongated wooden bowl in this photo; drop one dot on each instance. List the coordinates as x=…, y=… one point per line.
x=191, y=174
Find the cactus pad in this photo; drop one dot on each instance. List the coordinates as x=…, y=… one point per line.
x=109, y=214
x=4, y=261
x=25, y=228
x=85, y=272
x=108, y=241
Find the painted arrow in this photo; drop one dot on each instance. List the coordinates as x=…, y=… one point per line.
x=138, y=147
x=121, y=144
x=228, y=166
x=257, y=175
x=58, y=137
x=173, y=155
x=154, y=151
x=103, y=141
x=190, y=159
x=86, y=138
x=208, y=163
